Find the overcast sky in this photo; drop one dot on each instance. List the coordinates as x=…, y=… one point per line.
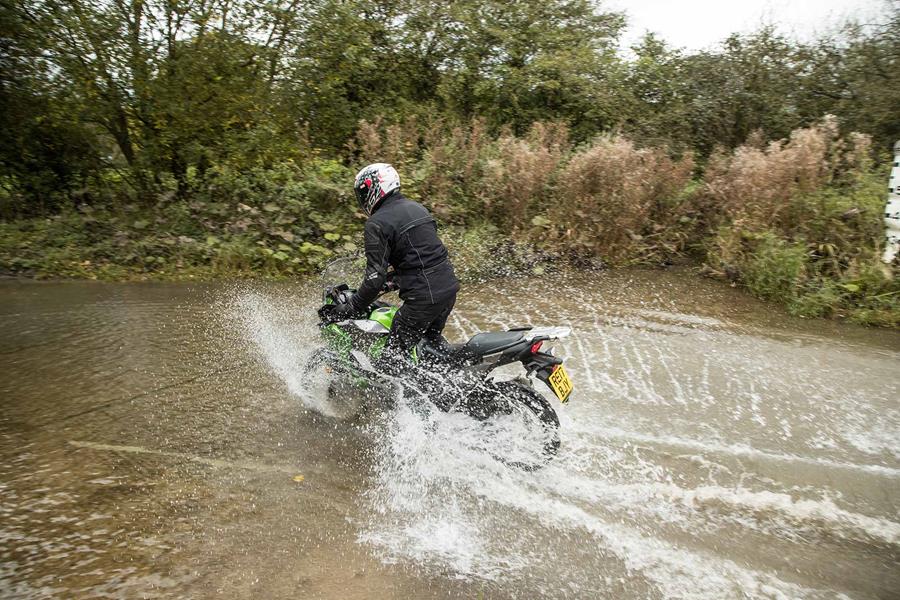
x=696, y=24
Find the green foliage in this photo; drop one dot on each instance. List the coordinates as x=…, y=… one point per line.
x=158, y=93
x=800, y=223
x=774, y=268
x=154, y=139
x=871, y=297
x=279, y=221
x=853, y=74
x=517, y=63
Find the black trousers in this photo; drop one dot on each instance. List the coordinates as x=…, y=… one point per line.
x=415, y=321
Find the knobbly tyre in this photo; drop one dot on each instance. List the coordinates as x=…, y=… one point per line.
x=455, y=377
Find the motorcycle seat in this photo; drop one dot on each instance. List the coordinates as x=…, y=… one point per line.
x=483, y=344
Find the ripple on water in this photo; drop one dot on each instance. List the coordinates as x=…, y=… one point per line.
x=440, y=497
x=711, y=450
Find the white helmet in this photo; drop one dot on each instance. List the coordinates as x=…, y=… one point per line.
x=375, y=183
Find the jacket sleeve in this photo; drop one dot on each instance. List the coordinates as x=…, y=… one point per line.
x=378, y=251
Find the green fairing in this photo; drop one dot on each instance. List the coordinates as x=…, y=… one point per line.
x=338, y=339
x=342, y=342
x=384, y=315
x=377, y=347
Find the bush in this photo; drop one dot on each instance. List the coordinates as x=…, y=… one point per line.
x=871, y=298
x=519, y=178
x=774, y=268
x=482, y=252
x=612, y=194
x=279, y=221
x=800, y=222
x=756, y=187
x=295, y=216
x=797, y=221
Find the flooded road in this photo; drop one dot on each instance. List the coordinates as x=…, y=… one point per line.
x=159, y=441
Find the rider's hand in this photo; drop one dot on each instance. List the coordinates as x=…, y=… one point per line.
x=344, y=310
x=326, y=313
x=341, y=311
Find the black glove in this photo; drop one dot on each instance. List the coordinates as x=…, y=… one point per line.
x=345, y=310
x=332, y=313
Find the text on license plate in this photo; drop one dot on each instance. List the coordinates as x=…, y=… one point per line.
x=560, y=383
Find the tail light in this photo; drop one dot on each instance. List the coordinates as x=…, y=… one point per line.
x=536, y=346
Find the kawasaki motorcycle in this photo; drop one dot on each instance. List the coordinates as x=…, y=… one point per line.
x=455, y=377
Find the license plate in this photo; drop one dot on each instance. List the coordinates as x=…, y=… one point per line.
x=560, y=383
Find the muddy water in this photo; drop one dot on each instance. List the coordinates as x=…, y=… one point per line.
x=158, y=441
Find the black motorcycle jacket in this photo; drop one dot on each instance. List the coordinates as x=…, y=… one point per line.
x=402, y=233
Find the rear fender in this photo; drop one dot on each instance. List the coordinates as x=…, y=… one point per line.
x=534, y=362
x=541, y=364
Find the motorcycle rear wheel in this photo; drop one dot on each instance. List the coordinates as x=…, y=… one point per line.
x=519, y=396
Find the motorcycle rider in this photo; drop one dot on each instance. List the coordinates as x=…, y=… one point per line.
x=402, y=234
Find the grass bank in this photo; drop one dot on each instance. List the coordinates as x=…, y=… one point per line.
x=795, y=221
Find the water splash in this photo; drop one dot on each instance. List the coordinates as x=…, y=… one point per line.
x=645, y=498
x=279, y=329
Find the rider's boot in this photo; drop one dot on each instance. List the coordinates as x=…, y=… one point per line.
x=438, y=343
x=394, y=363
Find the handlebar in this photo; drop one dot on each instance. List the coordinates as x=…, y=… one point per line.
x=341, y=292
x=332, y=291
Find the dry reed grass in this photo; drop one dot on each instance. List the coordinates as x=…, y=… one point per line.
x=757, y=188
x=520, y=177
x=612, y=193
